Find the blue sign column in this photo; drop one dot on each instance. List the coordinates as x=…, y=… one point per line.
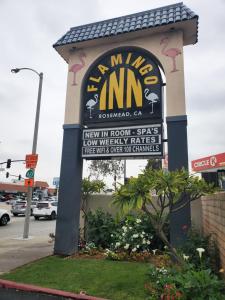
x=180, y=221
x=68, y=217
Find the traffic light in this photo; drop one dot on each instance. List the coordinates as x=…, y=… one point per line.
x=19, y=177
x=7, y=174
x=8, y=163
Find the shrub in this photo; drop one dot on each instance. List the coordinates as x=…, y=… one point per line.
x=100, y=226
x=210, y=257
x=136, y=234
x=185, y=284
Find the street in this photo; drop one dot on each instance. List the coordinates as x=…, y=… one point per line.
x=14, y=228
x=14, y=251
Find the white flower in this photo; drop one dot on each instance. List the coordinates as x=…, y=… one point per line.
x=186, y=257
x=200, y=251
x=165, y=247
x=148, y=242
x=154, y=251
x=144, y=241
x=130, y=227
x=138, y=221
x=141, y=235
x=135, y=235
x=126, y=246
x=123, y=234
x=112, y=235
x=138, y=246
x=143, y=232
x=117, y=244
x=134, y=249
x=124, y=228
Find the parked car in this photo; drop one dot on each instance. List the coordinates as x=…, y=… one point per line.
x=4, y=217
x=13, y=201
x=19, y=208
x=45, y=209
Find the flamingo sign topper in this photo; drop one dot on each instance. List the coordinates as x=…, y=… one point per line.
x=124, y=84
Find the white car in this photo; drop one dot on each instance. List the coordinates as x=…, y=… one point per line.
x=45, y=209
x=4, y=217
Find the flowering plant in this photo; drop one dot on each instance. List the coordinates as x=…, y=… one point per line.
x=132, y=236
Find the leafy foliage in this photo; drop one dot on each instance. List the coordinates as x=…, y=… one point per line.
x=89, y=187
x=154, y=191
x=184, y=284
x=100, y=226
x=210, y=258
x=113, y=168
x=136, y=234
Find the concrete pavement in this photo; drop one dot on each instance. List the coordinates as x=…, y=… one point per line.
x=15, y=251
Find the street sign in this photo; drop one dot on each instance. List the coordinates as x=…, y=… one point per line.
x=30, y=174
x=31, y=161
x=56, y=181
x=29, y=182
x=132, y=141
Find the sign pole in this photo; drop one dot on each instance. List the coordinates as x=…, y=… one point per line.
x=34, y=147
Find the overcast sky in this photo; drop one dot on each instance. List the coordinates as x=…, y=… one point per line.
x=28, y=28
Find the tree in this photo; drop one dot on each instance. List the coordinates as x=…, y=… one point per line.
x=154, y=163
x=89, y=187
x=155, y=191
x=113, y=167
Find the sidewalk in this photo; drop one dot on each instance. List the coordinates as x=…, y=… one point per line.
x=15, y=253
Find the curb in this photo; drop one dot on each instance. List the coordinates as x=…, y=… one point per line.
x=6, y=284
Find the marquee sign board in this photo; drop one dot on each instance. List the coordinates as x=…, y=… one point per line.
x=124, y=84
x=123, y=142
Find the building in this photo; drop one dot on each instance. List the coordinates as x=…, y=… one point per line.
x=212, y=169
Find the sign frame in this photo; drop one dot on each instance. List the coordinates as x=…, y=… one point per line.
x=128, y=154
x=129, y=121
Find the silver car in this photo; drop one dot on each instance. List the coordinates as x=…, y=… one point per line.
x=19, y=208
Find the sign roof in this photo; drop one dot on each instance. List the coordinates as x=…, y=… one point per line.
x=174, y=15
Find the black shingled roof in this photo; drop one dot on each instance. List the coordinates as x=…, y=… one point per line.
x=148, y=19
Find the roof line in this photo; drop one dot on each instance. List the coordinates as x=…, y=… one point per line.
x=131, y=15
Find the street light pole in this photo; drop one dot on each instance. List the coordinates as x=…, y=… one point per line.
x=34, y=148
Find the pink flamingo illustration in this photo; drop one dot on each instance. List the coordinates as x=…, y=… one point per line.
x=171, y=52
x=77, y=67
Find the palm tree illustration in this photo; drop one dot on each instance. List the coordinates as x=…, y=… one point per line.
x=152, y=98
x=77, y=67
x=91, y=103
x=171, y=52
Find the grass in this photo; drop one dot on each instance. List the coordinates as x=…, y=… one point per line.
x=116, y=280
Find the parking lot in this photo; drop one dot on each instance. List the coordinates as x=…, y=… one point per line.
x=14, y=251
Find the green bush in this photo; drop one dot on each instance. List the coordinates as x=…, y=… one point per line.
x=185, y=284
x=99, y=227
x=136, y=233
x=106, y=232
x=210, y=257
